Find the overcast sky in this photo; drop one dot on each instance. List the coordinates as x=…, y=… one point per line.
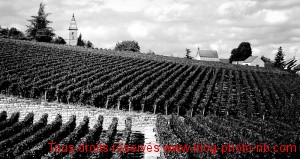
x=168, y=27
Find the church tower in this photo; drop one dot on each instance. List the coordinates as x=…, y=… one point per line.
x=73, y=32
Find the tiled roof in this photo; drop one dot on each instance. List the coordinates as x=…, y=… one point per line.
x=207, y=53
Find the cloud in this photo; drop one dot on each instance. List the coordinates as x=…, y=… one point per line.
x=236, y=9
x=139, y=29
x=256, y=52
x=125, y=5
x=275, y=16
x=166, y=10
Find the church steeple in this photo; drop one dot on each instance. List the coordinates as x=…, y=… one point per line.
x=73, y=25
x=73, y=31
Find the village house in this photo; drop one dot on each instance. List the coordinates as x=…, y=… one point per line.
x=251, y=61
x=254, y=61
x=207, y=55
x=237, y=62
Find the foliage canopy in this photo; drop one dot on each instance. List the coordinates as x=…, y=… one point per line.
x=39, y=28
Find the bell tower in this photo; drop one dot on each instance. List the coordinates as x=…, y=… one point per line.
x=73, y=32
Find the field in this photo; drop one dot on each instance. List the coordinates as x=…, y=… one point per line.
x=133, y=82
x=196, y=101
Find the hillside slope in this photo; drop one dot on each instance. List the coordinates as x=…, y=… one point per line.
x=140, y=82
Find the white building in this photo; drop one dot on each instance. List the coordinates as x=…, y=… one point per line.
x=237, y=62
x=73, y=32
x=207, y=55
x=254, y=61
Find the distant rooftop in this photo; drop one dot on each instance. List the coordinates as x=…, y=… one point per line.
x=250, y=59
x=207, y=53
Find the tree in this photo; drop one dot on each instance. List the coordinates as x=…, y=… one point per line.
x=245, y=50
x=83, y=43
x=80, y=41
x=127, y=46
x=241, y=53
x=279, y=59
x=188, y=52
x=89, y=44
x=15, y=33
x=39, y=29
x=4, y=31
x=59, y=40
x=150, y=52
x=234, y=55
x=12, y=33
x=265, y=59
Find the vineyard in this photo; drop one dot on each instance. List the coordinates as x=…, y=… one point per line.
x=154, y=84
x=226, y=130
x=26, y=139
x=27, y=135
x=25, y=120
x=196, y=101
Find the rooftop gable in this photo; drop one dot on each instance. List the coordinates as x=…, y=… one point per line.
x=250, y=59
